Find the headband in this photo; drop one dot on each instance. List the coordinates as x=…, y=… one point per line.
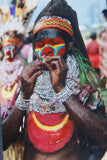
x=11, y=41
x=53, y=22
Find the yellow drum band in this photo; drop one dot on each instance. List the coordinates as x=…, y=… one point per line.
x=50, y=128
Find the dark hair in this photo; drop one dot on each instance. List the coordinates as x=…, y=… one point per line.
x=93, y=35
x=104, y=12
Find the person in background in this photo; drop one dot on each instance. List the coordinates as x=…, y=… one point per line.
x=64, y=120
x=103, y=50
x=11, y=66
x=93, y=51
x=103, y=55
x=12, y=34
x=104, y=12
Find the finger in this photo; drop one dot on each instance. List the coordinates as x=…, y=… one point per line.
x=48, y=66
x=31, y=69
x=36, y=65
x=55, y=65
x=34, y=76
x=61, y=63
x=56, y=58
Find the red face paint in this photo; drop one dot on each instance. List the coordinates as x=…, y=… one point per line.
x=49, y=47
x=9, y=52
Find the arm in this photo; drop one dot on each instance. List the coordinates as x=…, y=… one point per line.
x=92, y=124
x=10, y=127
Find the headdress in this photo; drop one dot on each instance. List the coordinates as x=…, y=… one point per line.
x=12, y=32
x=60, y=8
x=53, y=21
x=16, y=26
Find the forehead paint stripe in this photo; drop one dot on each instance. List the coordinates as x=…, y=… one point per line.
x=58, y=48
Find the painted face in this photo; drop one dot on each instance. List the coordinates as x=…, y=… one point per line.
x=49, y=44
x=9, y=52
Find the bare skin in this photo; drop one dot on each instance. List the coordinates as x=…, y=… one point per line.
x=93, y=125
x=10, y=127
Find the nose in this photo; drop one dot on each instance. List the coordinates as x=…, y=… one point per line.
x=8, y=52
x=47, y=51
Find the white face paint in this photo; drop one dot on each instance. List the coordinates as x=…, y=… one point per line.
x=8, y=52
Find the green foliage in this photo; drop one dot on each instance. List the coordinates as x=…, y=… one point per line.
x=85, y=66
x=26, y=62
x=85, y=79
x=103, y=82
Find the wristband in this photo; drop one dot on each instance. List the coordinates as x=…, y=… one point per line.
x=62, y=96
x=22, y=104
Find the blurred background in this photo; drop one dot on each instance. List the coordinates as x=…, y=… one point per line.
x=89, y=13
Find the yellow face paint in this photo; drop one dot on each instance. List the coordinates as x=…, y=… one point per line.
x=49, y=47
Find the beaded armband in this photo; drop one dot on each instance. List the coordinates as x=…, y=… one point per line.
x=22, y=104
x=62, y=96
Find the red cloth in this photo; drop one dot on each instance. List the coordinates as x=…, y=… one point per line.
x=93, y=53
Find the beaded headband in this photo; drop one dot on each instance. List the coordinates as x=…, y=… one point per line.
x=53, y=22
x=11, y=41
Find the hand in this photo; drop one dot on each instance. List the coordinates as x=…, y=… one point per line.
x=58, y=72
x=29, y=76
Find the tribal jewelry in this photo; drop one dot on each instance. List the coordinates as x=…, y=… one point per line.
x=45, y=99
x=22, y=104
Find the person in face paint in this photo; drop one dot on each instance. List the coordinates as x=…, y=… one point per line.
x=49, y=93
x=10, y=71
x=52, y=44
